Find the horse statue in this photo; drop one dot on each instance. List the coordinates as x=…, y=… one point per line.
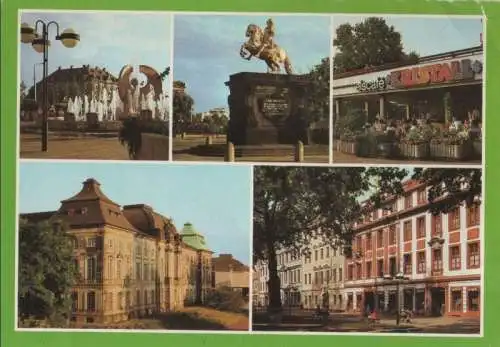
x=260, y=44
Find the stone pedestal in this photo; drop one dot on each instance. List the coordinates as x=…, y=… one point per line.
x=267, y=109
x=146, y=115
x=92, y=120
x=69, y=117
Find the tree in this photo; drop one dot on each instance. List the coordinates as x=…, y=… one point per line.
x=46, y=271
x=294, y=204
x=22, y=91
x=369, y=43
x=182, y=107
x=460, y=186
x=319, y=92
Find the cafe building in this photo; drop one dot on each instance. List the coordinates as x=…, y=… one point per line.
x=440, y=87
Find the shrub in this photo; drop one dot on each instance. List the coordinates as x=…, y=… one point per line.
x=225, y=299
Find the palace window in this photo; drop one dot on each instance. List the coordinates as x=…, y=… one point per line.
x=392, y=266
x=369, y=242
x=422, y=196
x=358, y=244
x=407, y=231
x=407, y=263
x=91, y=268
x=380, y=267
x=334, y=275
x=473, y=215
x=437, y=260
x=321, y=253
x=369, y=269
x=437, y=227
x=91, y=307
x=340, y=275
x=359, y=273
x=110, y=267
x=328, y=251
x=380, y=239
x=473, y=303
x=350, y=269
x=74, y=301
x=316, y=255
x=456, y=300
x=138, y=271
x=310, y=282
x=455, y=259
x=408, y=201
x=119, y=269
x=421, y=227
x=454, y=219
x=473, y=255
x=91, y=242
x=421, y=262
x=392, y=235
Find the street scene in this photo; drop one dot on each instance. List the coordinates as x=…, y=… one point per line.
x=382, y=250
x=85, y=95
x=245, y=89
x=99, y=249
x=407, y=90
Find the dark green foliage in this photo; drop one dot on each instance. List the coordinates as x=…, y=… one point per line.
x=182, y=110
x=46, y=272
x=225, y=299
x=319, y=92
x=452, y=183
x=132, y=129
x=369, y=43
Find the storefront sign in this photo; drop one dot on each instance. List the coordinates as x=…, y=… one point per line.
x=372, y=86
x=457, y=70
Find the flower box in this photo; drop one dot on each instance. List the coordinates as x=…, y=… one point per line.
x=347, y=146
x=442, y=150
x=414, y=150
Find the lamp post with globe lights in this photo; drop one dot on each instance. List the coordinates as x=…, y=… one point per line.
x=40, y=42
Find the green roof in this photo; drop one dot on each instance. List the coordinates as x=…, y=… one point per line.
x=191, y=237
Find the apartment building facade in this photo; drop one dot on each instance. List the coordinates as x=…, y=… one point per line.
x=132, y=261
x=431, y=262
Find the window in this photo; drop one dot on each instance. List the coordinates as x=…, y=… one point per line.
x=340, y=275
x=392, y=266
x=473, y=255
x=421, y=196
x=456, y=300
x=385, y=210
x=380, y=267
x=91, y=242
x=334, y=275
x=407, y=263
x=138, y=271
x=321, y=253
x=91, y=302
x=359, y=273
x=454, y=219
x=421, y=227
x=473, y=300
x=91, y=268
x=119, y=269
x=437, y=260
x=407, y=230
x=473, y=215
x=421, y=262
x=138, y=298
x=380, y=239
x=110, y=267
x=350, y=272
x=408, y=201
x=369, y=241
x=455, y=259
x=315, y=278
x=328, y=251
x=74, y=301
x=375, y=214
x=358, y=244
x=316, y=255
x=437, y=229
x=369, y=269
x=321, y=279
x=392, y=235
x=310, y=279
x=305, y=278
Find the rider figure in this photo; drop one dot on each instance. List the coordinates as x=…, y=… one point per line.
x=269, y=32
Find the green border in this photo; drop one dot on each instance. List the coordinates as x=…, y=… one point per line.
x=9, y=46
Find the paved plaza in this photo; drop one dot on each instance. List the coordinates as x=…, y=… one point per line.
x=304, y=320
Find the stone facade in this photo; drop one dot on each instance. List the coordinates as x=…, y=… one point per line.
x=132, y=260
x=232, y=273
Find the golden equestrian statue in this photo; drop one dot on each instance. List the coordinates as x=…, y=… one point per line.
x=260, y=44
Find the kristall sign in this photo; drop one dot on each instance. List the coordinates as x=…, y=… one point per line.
x=372, y=86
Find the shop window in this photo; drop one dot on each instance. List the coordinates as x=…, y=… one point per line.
x=473, y=215
x=473, y=303
x=392, y=235
x=421, y=262
x=454, y=219
x=473, y=255
x=437, y=260
x=407, y=231
x=407, y=264
x=456, y=300
x=437, y=227
x=455, y=259
x=421, y=227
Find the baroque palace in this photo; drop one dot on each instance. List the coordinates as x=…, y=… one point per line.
x=132, y=260
x=401, y=253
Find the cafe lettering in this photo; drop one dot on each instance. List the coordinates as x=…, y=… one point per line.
x=447, y=72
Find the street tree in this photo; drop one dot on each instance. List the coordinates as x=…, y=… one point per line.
x=368, y=44
x=319, y=91
x=182, y=107
x=294, y=204
x=46, y=272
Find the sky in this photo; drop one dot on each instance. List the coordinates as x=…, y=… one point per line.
x=107, y=39
x=216, y=199
x=429, y=35
x=206, y=50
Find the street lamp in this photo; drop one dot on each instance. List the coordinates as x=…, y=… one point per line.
x=34, y=77
x=40, y=43
x=399, y=278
